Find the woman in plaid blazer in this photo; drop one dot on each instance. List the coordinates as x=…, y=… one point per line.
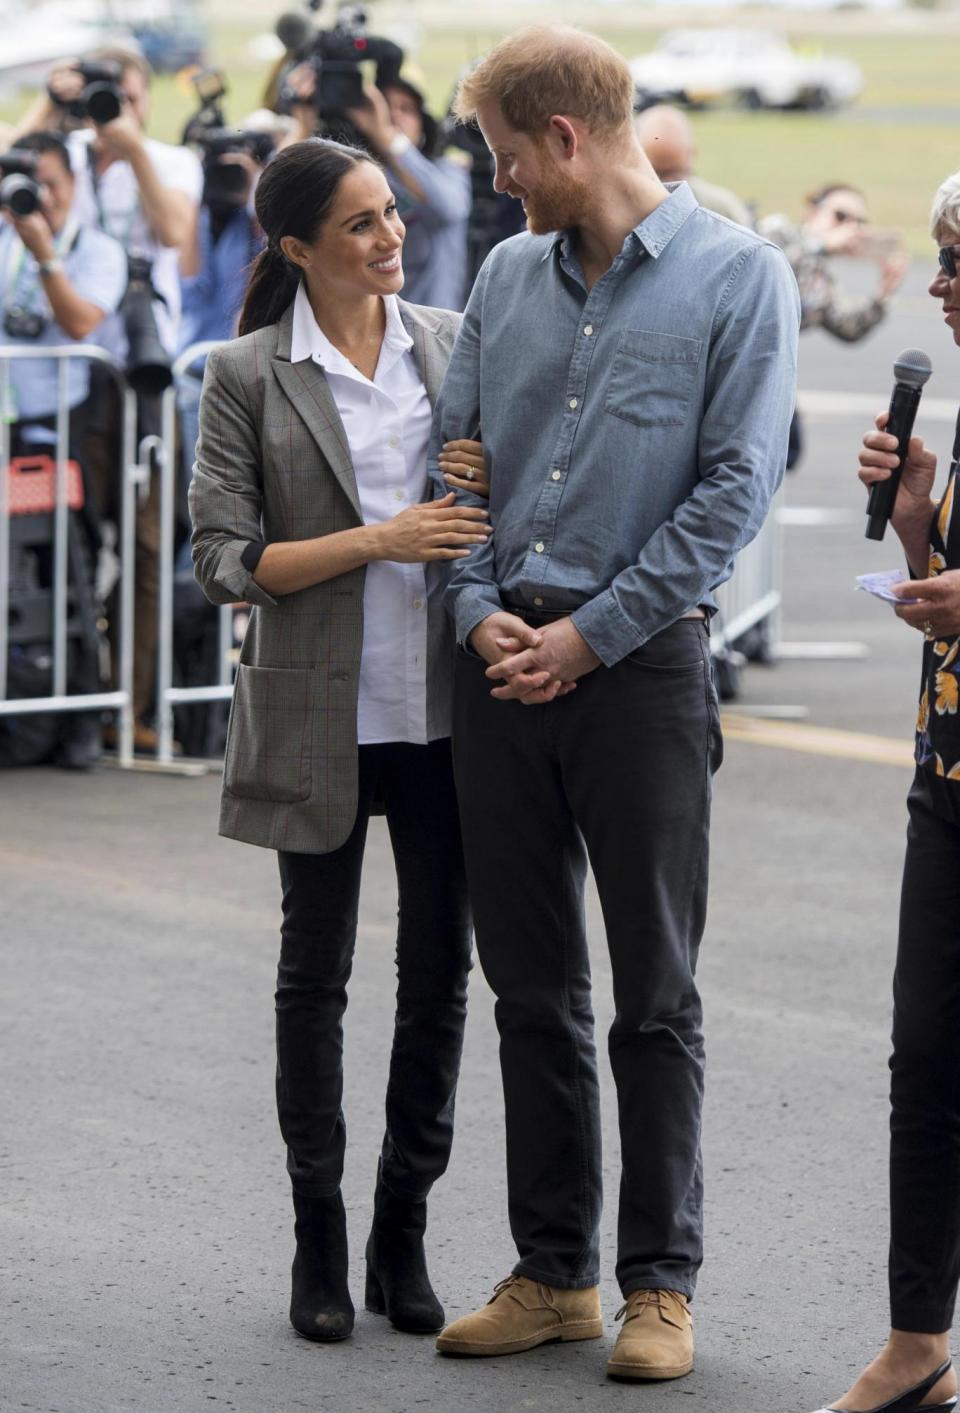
x=310, y=500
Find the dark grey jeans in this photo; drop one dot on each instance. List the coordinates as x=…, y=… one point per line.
x=618, y=772
x=321, y=894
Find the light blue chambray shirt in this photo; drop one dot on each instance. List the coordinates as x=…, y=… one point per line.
x=635, y=433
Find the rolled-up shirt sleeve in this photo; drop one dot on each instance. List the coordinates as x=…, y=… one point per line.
x=750, y=392
x=225, y=492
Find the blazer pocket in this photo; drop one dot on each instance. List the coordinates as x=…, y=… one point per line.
x=270, y=739
x=653, y=378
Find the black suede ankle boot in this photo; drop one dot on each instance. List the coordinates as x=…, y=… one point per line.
x=398, y=1285
x=320, y=1304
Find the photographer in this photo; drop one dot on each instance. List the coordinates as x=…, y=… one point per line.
x=145, y=194
x=215, y=262
x=60, y=283
x=836, y=223
x=433, y=192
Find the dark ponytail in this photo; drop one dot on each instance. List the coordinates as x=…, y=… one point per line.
x=294, y=198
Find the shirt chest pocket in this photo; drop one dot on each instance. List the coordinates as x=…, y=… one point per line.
x=653, y=378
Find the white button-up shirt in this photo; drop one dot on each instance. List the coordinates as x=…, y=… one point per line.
x=387, y=423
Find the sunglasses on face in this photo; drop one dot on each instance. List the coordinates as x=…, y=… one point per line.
x=855, y=217
x=948, y=261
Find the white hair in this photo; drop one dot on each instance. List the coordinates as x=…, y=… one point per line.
x=945, y=216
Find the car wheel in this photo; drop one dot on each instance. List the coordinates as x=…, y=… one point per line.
x=750, y=98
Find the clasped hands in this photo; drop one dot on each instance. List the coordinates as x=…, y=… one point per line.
x=533, y=665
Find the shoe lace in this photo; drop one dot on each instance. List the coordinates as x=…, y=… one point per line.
x=501, y=1287
x=638, y=1300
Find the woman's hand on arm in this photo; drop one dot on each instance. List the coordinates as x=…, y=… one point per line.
x=914, y=508
x=463, y=465
x=438, y=530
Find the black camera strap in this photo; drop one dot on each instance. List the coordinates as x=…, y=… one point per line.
x=102, y=219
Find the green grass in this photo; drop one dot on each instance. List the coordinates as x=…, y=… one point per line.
x=770, y=159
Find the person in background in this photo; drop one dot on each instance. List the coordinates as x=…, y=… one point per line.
x=835, y=223
x=433, y=191
x=214, y=266
x=60, y=283
x=145, y=195
x=666, y=135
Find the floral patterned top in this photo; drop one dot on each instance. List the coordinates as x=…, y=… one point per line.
x=938, y=724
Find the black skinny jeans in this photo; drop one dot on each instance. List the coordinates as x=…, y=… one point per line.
x=618, y=771
x=925, y=1067
x=320, y=904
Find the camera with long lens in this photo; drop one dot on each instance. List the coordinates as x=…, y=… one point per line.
x=149, y=368
x=335, y=56
x=101, y=98
x=226, y=185
x=19, y=188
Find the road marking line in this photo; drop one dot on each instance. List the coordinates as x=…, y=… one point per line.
x=821, y=402
x=818, y=740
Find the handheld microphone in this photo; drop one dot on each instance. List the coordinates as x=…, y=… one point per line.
x=911, y=370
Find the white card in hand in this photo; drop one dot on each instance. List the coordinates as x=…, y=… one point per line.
x=881, y=583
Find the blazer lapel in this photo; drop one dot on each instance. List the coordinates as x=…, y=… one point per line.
x=309, y=392
x=424, y=344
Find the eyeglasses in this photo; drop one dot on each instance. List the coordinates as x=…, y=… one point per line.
x=948, y=261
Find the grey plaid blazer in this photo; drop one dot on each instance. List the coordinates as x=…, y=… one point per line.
x=273, y=463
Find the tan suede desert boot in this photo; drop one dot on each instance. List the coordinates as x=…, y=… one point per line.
x=656, y=1341
x=522, y=1314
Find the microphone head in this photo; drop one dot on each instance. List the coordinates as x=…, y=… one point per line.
x=294, y=31
x=912, y=367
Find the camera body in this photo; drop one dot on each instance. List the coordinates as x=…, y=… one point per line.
x=19, y=189
x=149, y=369
x=101, y=99
x=335, y=56
x=226, y=185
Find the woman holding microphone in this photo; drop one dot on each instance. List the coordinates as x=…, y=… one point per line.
x=914, y=1370
x=310, y=501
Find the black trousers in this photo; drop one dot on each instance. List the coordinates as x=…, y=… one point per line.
x=618, y=772
x=925, y=1067
x=320, y=905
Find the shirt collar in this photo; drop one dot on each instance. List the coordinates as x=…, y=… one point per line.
x=307, y=339
x=655, y=232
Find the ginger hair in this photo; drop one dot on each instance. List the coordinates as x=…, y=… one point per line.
x=544, y=70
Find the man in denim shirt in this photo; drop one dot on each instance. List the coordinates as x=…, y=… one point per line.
x=631, y=364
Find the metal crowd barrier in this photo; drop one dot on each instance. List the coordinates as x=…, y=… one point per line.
x=750, y=597
x=60, y=699
x=168, y=695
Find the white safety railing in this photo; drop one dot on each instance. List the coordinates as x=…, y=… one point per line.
x=60, y=699
x=752, y=595
x=169, y=696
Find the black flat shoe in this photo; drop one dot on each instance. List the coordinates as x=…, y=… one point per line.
x=398, y=1285
x=912, y=1400
x=320, y=1304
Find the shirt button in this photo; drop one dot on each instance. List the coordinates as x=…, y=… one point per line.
x=418, y=603
x=538, y=602
x=588, y=330
x=554, y=475
x=398, y=495
x=572, y=402
x=539, y=547
x=393, y=443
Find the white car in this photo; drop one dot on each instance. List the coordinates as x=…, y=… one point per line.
x=750, y=67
